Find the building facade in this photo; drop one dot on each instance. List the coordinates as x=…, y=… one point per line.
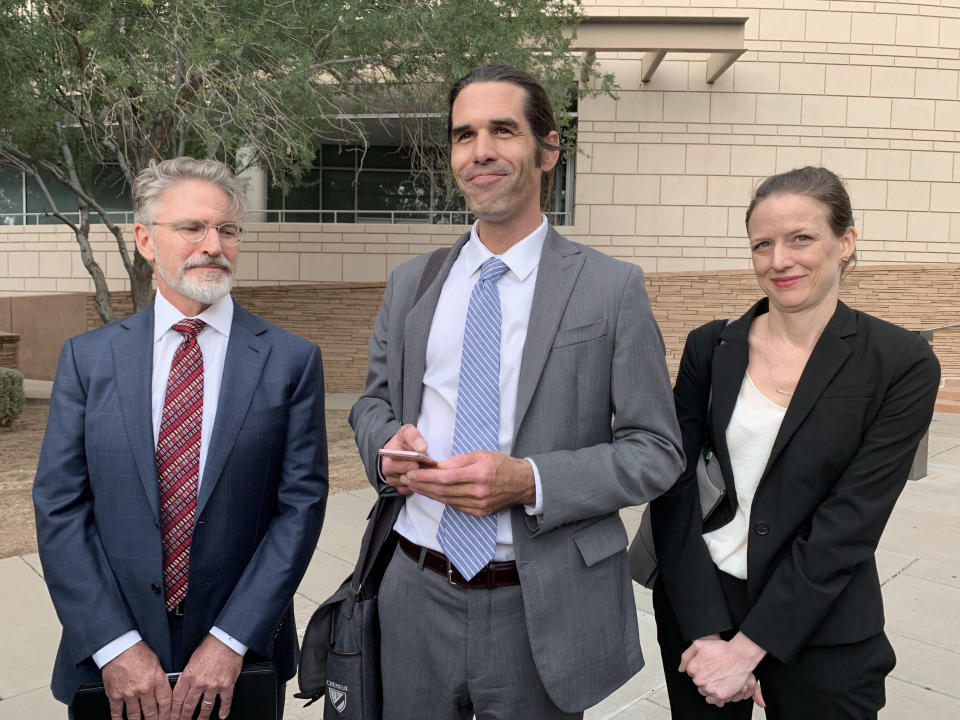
x=714, y=96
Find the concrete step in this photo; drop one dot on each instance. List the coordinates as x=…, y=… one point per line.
x=947, y=405
x=948, y=397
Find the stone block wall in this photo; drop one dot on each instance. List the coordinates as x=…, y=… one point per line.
x=9, y=350
x=868, y=89
x=339, y=317
x=664, y=170
x=916, y=297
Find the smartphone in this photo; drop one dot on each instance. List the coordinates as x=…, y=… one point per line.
x=411, y=455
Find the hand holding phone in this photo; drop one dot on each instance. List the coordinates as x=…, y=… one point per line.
x=409, y=456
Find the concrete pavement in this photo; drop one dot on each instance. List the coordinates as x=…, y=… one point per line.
x=919, y=560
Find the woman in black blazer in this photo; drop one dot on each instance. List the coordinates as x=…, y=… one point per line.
x=814, y=411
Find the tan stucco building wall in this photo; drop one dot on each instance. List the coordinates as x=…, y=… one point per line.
x=867, y=89
x=665, y=170
x=339, y=317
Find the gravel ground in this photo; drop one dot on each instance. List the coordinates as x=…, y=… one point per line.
x=20, y=447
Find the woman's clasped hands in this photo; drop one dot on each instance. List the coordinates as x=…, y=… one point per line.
x=722, y=670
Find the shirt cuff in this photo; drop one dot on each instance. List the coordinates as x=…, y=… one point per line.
x=232, y=643
x=113, y=648
x=536, y=508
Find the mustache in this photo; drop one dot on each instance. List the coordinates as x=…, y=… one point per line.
x=486, y=170
x=217, y=260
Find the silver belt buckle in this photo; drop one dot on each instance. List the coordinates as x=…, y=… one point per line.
x=450, y=574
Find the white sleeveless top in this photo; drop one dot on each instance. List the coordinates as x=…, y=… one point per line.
x=750, y=436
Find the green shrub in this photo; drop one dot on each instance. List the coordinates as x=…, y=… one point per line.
x=11, y=395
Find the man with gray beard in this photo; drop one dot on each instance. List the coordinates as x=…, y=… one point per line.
x=183, y=477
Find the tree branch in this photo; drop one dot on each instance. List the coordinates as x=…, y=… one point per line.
x=165, y=120
x=81, y=50
x=81, y=232
x=121, y=160
x=16, y=160
x=87, y=199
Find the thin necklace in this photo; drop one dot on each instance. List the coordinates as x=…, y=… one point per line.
x=770, y=365
x=773, y=375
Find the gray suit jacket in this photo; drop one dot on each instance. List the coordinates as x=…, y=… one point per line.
x=259, y=508
x=593, y=355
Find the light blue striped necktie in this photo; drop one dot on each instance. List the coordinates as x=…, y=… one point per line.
x=468, y=541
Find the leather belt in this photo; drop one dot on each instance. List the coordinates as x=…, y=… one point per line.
x=178, y=610
x=494, y=575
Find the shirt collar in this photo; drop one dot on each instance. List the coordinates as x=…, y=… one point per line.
x=522, y=258
x=218, y=316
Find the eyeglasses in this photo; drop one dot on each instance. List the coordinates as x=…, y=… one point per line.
x=194, y=231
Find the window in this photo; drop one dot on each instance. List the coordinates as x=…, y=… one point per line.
x=347, y=186
x=11, y=197
x=23, y=203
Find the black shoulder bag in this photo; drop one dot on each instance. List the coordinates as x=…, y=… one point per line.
x=644, y=566
x=340, y=656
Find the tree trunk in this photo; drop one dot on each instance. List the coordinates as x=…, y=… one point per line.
x=23, y=162
x=101, y=298
x=141, y=282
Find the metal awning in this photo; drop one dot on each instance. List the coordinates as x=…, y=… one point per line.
x=719, y=37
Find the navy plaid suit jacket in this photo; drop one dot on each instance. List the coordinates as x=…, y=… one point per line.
x=259, y=509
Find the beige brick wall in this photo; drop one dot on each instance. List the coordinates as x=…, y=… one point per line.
x=912, y=296
x=869, y=90
x=9, y=350
x=46, y=259
x=665, y=170
x=339, y=317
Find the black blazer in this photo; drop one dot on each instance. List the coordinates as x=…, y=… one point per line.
x=838, y=464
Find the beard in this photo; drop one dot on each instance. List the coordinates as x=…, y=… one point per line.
x=206, y=288
x=511, y=197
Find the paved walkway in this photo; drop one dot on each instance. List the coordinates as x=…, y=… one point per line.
x=919, y=559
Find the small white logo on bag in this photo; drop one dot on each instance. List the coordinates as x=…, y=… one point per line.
x=337, y=695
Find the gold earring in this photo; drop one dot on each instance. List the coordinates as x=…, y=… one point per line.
x=844, y=261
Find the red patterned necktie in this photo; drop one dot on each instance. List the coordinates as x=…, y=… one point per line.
x=178, y=459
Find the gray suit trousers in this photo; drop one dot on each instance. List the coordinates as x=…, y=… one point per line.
x=449, y=653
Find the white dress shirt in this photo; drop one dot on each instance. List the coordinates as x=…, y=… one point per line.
x=212, y=340
x=750, y=435
x=420, y=516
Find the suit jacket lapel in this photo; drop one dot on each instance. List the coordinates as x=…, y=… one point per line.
x=729, y=366
x=133, y=367
x=828, y=356
x=247, y=352
x=416, y=332
x=560, y=263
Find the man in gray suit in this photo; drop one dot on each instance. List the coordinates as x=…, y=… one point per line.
x=533, y=369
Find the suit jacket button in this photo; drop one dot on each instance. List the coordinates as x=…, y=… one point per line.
x=761, y=528
x=156, y=589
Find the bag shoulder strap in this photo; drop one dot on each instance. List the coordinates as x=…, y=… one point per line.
x=379, y=526
x=381, y=519
x=430, y=271
x=717, y=341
